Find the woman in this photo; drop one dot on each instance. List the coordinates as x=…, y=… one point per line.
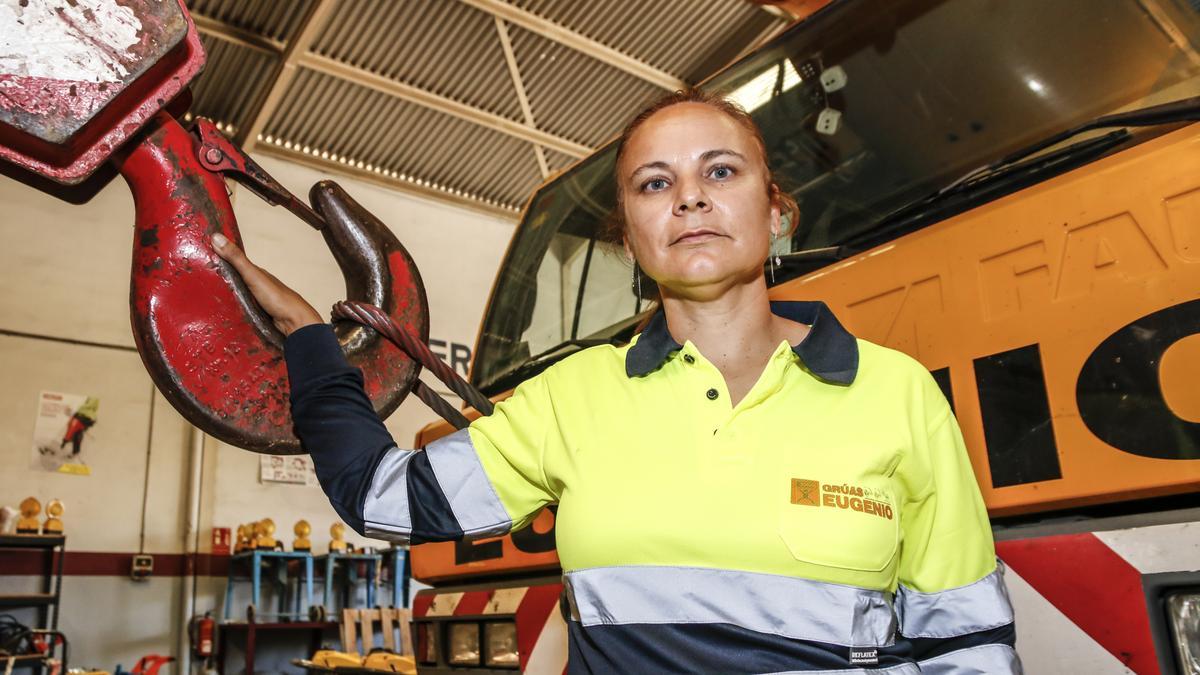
x=744, y=488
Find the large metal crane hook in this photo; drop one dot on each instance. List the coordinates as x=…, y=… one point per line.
x=210, y=349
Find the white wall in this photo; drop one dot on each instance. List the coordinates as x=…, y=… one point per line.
x=65, y=274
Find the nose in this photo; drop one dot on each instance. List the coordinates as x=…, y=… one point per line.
x=691, y=198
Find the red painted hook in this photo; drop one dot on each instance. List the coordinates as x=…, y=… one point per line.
x=211, y=350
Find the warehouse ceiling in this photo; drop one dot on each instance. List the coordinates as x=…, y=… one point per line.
x=474, y=101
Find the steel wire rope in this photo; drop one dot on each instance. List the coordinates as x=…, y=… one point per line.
x=374, y=317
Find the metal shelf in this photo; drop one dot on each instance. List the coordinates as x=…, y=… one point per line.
x=49, y=549
x=27, y=600
x=24, y=660
x=31, y=540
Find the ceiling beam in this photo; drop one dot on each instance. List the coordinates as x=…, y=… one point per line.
x=527, y=132
x=774, y=11
x=421, y=97
x=285, y=71
x=238, y=36
x=315, y=162
x=519, y=86
x=577, y=41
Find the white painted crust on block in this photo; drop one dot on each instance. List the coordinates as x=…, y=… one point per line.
x=81, y=41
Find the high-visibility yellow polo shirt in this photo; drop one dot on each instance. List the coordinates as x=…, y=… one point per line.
x=829, y=520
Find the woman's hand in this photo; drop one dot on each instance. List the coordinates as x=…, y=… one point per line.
x=289, y=311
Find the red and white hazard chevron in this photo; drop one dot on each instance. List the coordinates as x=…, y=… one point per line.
x=1080, y=600
x=541, y=631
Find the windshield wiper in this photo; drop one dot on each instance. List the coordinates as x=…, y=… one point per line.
x=1009, y=173
x=1184, y=110
x=949, y=201
x=582, y=343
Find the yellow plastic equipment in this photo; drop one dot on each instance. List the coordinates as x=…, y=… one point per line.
x=390, y=662
x=329, y=658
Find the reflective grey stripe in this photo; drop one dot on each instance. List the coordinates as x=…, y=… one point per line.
x=981, y=660
x=982, y=605
x=474, y=501
x=902, y=669
x=385, y=510
x=787, y=606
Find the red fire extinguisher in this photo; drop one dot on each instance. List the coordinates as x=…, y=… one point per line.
x=202, y=631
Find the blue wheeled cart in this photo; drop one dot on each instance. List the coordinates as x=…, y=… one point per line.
x=342, y=571
x=396, y=567
x=250, y=565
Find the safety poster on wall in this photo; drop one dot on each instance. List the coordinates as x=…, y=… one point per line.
x=63, y=437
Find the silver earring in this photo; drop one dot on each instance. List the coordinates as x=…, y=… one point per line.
x=637, y=282
x=773, y=257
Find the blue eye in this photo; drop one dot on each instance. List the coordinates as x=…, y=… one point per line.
x=721, y=172
x=655, y=185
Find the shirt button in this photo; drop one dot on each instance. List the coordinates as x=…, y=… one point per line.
x=712, y=394
x=689, y=358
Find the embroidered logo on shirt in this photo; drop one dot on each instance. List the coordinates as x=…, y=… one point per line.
x=864, y=500
x=864, y=656
x=806, y=492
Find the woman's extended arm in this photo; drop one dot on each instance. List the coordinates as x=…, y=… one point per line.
x=379, y=489
x=289, y=311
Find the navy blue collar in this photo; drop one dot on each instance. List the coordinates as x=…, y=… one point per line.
x=829, y=350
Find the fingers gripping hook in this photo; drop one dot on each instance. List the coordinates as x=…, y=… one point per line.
x=212, y=352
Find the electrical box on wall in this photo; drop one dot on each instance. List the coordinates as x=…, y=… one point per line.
x=143, y=567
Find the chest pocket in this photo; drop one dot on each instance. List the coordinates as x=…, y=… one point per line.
x=843, y=525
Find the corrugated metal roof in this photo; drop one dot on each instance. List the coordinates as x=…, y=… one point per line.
x=418, y=93
x=444, y=47
x=228, y=63
x=574, y=95
x=355, y=124
x=665, y=34
x=558, y=161
x=269, y=18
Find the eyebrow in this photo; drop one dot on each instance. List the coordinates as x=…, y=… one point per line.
x=707, y=156
x=713, y=154
x=647, y=166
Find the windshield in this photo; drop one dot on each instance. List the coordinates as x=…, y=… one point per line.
x=866, y=107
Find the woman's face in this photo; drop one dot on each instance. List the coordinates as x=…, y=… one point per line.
x=697, y=212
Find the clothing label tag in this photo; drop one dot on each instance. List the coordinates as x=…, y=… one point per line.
x=864, y=656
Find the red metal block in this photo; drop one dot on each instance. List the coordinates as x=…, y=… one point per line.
x=78, y=78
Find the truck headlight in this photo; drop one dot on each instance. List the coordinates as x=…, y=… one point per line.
x=426, y=646
x=464, y=644
x=1183, y=608
x=500, y=641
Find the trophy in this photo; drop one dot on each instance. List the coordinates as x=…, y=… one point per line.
x=302, y=542
x=243, y=539
x=264, y=535
x=338, y=532
x=28, y=522
x=53, y=525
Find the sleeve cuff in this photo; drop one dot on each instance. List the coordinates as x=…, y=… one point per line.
x=312, y=352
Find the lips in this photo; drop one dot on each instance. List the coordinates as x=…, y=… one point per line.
x=696, y=236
